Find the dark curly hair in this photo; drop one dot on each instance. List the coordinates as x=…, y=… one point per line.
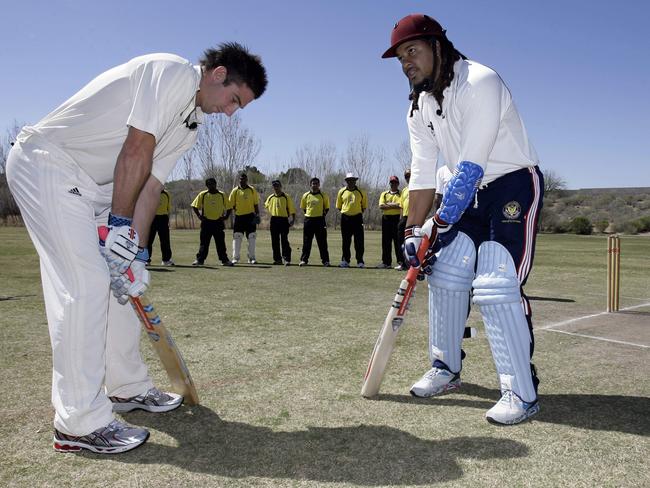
x=448, y=56
x=242, y=66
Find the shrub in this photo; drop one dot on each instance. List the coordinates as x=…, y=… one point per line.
x=581, y=226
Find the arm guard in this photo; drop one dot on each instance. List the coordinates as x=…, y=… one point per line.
x=460, y=191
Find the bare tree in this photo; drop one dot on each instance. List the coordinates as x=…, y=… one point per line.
x=238, y=148
x=184, y=193
x=403, y=155
x=363, y=160
x=317, y=161
x=207, y=148
x=553, y=181
x=369, y=165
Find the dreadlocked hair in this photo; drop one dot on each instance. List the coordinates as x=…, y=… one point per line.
x=448, y=56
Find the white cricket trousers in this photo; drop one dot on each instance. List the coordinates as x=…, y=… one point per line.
x=95, y=340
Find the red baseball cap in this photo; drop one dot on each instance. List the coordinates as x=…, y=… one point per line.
x=410, y=27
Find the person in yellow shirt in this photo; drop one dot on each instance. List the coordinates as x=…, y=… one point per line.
x=245, y=202
x=351, y=202
x=401, y=227
x=283, y=215
x=390, y=205
x=160, y=226
x=315, y=204
x=212, y=207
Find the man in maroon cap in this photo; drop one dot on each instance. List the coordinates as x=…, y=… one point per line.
x=390, y=203
x=483, y=234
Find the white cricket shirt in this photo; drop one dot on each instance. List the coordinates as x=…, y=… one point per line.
x=479, y=123
x=153, y=93
x=443, y=175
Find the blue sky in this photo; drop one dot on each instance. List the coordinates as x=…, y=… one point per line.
x=579, y=70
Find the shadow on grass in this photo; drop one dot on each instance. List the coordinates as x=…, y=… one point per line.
x=615, y=413
x=363, y=455
x=15, y=297
x=552, y=299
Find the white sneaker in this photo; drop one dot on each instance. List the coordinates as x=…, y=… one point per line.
x=435, y=382
x=115, y=437
x=252, y=261
x=153, y=400
x=361, y=265
x=344, y=264
x=302, y=263
x=234, y=260
x=168, y=263
x=511, y=409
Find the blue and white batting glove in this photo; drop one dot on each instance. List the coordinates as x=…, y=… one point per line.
x=413, y=235
x=412, y=240
x=124, y=287
x=121, y=244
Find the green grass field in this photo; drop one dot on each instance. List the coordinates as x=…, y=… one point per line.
x=278, y=355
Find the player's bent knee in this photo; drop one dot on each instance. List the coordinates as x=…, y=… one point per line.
x=454, y=266
x=496, y=279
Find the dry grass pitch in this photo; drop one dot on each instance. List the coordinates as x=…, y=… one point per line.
x=278, y=355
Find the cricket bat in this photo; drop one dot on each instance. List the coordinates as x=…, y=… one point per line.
x=163, y=344
x=394, y=321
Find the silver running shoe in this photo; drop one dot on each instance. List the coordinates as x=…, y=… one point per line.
x=168, y=263
x=114, y=438
x=435, y=382
x=511, y=409
x=153, y=400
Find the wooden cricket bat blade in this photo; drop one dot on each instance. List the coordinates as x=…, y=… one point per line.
x=381, y=354
x=165, y=347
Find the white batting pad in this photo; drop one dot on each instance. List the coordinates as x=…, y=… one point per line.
x=497, y=293
x=251, y=245
x=236, y=245
x=449, y=286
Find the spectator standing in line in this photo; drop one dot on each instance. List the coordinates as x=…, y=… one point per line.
x=390, y=203
x=212, y=207
x=351, y=202
x=283, y=215
x=315, y=204
x=160, y=226
x=245, y=202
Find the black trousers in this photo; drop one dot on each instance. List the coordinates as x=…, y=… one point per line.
x=280, y=239
x=315, y=226
x=352, y=226
x=160, y=226
x=401, y=227
x=390, y=239
x=212, y=229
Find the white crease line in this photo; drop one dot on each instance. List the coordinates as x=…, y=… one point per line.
x=598, y=338
x=585, y=317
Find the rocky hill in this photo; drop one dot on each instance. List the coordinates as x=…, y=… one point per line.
x=625, y=210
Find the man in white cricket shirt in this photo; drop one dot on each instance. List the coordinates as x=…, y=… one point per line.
x=101, y=158
x=463, y=113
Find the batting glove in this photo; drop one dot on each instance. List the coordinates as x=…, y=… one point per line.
x=413, y=235
x=412, y=240
x=120, y=246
